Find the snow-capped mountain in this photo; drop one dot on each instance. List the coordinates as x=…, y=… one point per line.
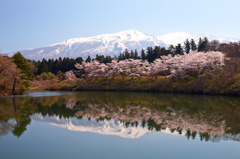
x=110, y=44
x=180, y=37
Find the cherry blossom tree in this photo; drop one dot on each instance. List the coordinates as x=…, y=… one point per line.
x=70, y=75
x=182, y=66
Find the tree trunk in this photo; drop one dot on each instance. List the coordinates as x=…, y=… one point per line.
x=14, y=85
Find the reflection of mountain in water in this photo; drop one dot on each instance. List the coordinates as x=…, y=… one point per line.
x=113, y=127
x=129, y=115
x=106, y=127
x=6, y=127
x=158, y=120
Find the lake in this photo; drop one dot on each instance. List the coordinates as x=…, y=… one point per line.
x=117, y=125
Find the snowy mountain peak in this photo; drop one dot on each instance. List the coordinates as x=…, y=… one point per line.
x=132, y=32
x=110, y=44
x=174, y=38
x=180, y=37
x=176, y=34
x=132, y=35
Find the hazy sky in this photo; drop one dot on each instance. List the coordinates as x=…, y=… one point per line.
x=36, y=23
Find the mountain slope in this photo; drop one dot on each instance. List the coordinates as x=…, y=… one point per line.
x=107, y=44
x=180, y=37
x=110, y=44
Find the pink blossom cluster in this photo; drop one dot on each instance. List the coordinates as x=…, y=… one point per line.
x=70, y=75
x=179, y=65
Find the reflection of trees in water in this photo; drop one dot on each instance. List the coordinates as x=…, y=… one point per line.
x=15, y=114
x=208, y=117
x=20, y=109
x=158, y=120
x=21, y=126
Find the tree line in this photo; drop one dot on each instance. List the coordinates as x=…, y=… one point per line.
x=150, y=54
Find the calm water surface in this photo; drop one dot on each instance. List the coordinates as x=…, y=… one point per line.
x=119, y=125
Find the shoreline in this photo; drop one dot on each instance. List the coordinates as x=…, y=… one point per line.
x=143, y=85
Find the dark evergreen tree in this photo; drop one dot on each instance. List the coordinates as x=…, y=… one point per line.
x=200, y=45
x=107, y=59
x=150, y=56
x=206, y=46
x=136, y=55
x=126, y=54
x=72, y=63
x=43, y=67
x=187, y=46
x=37, y=64
x=193, y=45
x=156, y=52
x=120, y=57
x=63, y=65
x=88, y=59
x=132, y=54
x=178, y=50
x=171, y=50
x=203, y=45
x=21, y=63
x=57, y=65
x=97, y=57
x=50, y=64
x=164, y=51
x=143, y=55
x=60, y=59
x=67, y=64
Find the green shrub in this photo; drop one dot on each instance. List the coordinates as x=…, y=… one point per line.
x=48, y=76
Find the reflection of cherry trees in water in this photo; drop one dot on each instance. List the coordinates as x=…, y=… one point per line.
x=173, y=113
x=157, y=120
x=206, y=117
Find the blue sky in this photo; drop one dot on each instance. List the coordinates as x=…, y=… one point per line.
x=36, y=23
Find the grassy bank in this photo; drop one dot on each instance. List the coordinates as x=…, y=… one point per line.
x=218, y=84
